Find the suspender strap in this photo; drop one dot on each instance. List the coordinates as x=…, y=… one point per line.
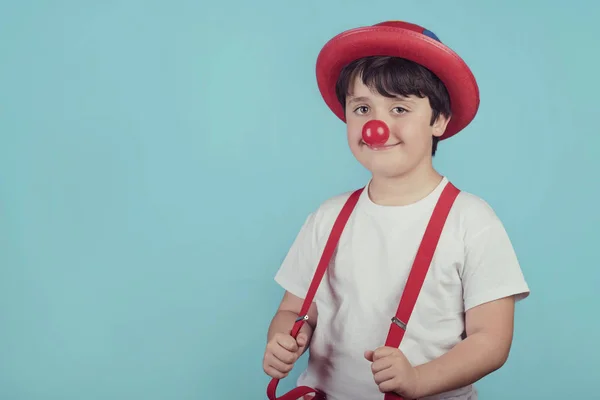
x=411, y=291
x=332, y=241
x=417, y=275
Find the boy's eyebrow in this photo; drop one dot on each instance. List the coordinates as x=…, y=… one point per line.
x=363, y=99
x=405, y=98
x=357, y=99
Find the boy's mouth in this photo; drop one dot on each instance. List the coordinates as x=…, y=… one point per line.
x=380, y=147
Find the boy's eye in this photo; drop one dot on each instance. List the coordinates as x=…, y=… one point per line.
x=399, y=110
x=361, y=109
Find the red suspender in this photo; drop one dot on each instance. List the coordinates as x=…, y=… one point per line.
x=421, y=264
x=409, y=296
x=330, y=246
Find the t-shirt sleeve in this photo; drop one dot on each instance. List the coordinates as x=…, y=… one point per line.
x=297, y=269
x=491, y=270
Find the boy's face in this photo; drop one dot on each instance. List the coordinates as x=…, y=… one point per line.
x=409, y=122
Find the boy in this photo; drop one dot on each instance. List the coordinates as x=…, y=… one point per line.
x=401, y=76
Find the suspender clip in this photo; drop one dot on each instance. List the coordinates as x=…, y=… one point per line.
x=302, y=317
x=397, y=321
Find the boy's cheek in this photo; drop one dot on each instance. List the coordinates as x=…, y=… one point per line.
x=354, y=136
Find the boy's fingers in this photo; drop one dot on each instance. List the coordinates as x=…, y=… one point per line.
x=279, y=365
x=273, y=373
x=284, y=355
x=288, y=343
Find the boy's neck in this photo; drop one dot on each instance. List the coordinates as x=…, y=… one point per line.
x=405, y=189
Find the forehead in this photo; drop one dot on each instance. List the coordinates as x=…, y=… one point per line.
x=358, y=88
x=359, y=92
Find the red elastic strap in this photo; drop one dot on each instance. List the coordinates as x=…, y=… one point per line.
x=332, y=241
x=419, y=270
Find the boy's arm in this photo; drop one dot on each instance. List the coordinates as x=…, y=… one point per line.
x=286, y=315
x=492, y=283
x=489, y=329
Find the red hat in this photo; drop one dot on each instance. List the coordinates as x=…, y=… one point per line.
x=405, y=40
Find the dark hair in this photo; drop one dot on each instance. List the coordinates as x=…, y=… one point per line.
x=393, y=76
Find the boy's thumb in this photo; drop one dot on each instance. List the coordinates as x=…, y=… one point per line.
x=301, y=339
x=369, y=355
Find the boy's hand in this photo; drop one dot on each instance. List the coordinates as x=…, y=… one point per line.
x=392, y=372
x=282, y=352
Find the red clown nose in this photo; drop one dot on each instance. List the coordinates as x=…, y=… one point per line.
x=375, y=132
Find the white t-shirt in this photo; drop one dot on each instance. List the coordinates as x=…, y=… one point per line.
x=474, y=263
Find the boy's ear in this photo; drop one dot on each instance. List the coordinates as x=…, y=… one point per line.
x=440, y=124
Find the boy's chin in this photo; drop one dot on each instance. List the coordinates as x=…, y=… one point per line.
x=386, y=170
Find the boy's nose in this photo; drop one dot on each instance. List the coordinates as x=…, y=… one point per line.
x=375, y=132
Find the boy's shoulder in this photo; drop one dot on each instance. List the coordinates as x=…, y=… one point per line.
x=322, y=218
x=471, y=205
x=333, y=205
x=474, y=215
x=329, y=209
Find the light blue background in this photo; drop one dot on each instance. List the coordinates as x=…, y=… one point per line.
x=158, y=158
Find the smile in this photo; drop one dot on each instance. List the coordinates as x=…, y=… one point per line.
x=381, y=147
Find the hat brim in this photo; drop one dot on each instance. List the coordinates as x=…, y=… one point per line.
x=399, y=42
